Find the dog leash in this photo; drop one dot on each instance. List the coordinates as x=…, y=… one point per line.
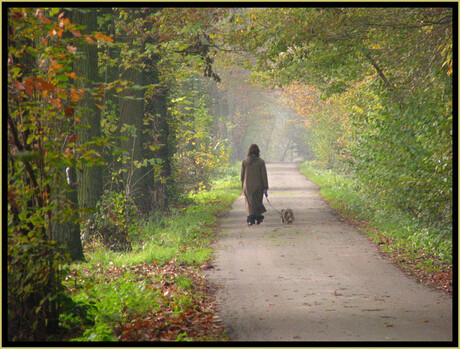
x=272, y=206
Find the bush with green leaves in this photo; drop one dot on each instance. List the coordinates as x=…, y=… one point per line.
x=35, y=292
x=115, y=218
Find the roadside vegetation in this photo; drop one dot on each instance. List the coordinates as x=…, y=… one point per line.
x=157, y=291
x=421, y=249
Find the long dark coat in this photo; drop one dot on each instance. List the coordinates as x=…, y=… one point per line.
x=254, y=181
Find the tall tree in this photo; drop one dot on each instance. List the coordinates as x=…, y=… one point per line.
x=138, y=70
x=155, y=179
x=89, y=177
x=157, y=136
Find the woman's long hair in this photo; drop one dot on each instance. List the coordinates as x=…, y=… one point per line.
x=253, y=150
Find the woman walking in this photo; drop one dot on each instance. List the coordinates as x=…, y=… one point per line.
x=254, y=182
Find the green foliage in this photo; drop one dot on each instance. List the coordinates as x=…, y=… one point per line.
x=113, y=221
x=35, y=294
x=332, y=48
x=405, y=153
x=115, y=302
x=46, y=129
x=40, y=132
x=199, y=152
x=167, y=145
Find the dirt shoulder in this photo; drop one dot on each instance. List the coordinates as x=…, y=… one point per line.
x=318, y=279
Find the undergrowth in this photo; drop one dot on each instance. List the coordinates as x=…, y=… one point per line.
x=411, y=241
x=157, y=284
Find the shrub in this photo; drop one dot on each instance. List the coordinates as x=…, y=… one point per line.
x=112, y=223
x=35, y=292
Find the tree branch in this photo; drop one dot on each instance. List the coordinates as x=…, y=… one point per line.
x=379, y=71
x=29, y=169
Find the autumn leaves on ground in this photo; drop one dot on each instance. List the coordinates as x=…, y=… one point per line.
x=177, y=303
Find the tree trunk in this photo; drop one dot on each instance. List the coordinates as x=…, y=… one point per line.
x=89, y=179
x=156, y=133
x=110, y=99
x=157, y=106
x=132, y=115
x=143, y=113
x=68, y=232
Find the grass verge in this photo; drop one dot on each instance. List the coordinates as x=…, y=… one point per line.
x=155, y=292
x=421, y=251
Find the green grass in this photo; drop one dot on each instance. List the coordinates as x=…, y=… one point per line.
x=107, y=285
x=163, y=237
x=401, y=233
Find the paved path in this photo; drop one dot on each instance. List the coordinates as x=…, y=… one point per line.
x=318, y=279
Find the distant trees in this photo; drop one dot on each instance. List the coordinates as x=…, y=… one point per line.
x=248, y=113
x=375, y=87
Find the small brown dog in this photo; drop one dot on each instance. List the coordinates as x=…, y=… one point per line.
x=287, y=216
